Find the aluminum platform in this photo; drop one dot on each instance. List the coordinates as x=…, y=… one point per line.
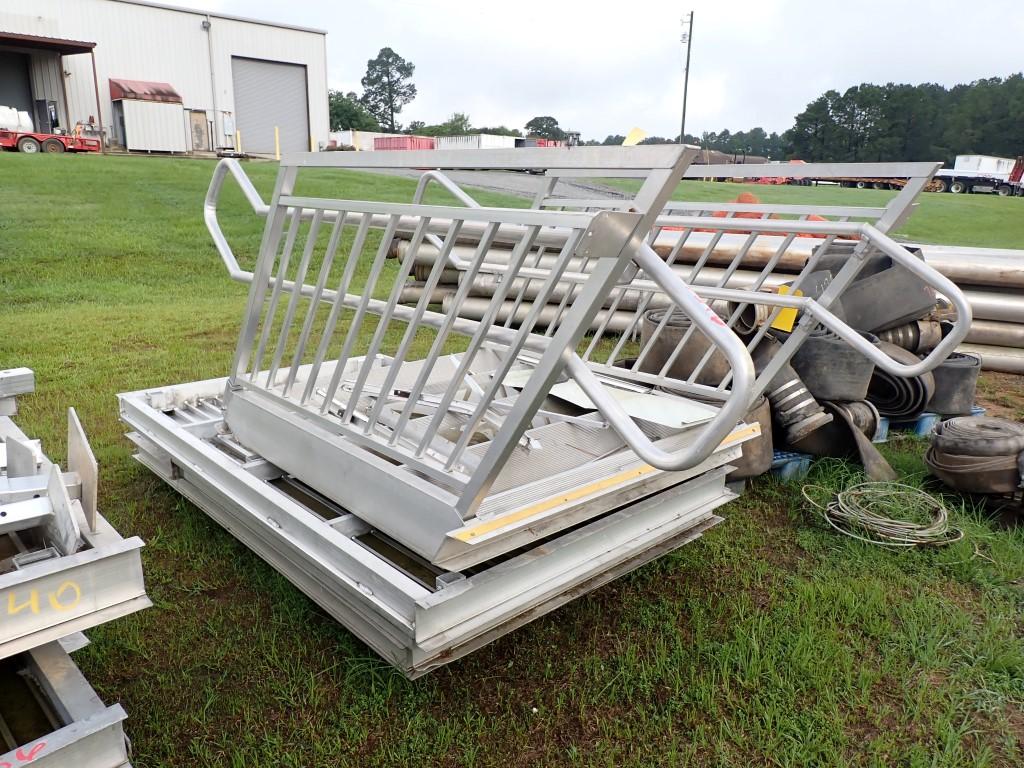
x=414, y=614
x=432, y=502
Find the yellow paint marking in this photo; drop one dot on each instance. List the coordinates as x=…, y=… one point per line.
x=468, y=534
x=786, y=318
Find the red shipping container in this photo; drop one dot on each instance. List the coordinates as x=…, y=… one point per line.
x=403, y=142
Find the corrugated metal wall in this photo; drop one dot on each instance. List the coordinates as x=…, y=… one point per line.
x=143, y=42
x=269, y=95
x=46, y=74
x=476, y=141
x=154, y=127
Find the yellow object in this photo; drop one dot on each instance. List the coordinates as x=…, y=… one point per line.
x=468, y=534
x=786, y=319
x=634, y=137
x=238, y=142
x=277, y=143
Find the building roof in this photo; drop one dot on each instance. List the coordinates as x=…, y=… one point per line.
x=58, y=44
x=143, y=90
x=229, y=17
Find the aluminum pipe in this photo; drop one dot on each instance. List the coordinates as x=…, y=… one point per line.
x=1002, y=359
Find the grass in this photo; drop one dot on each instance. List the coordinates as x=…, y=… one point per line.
x=771, y=641
x=980, y=220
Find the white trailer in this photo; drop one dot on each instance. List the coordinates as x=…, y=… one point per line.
x=476, y=141
x=977, y=173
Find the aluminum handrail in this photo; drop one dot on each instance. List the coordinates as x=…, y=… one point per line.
x=728, y=343
x=780, y=227
x=732, y=409
x=854, y=231
x=452, y=188
x=221, y=171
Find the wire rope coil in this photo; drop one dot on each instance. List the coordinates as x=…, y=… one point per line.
x=862, y=512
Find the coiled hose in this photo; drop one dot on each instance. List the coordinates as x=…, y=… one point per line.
x=861, y=512
x=898, y=397
x=977, y=454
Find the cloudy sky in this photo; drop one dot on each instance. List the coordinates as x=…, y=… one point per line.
x=602, y=67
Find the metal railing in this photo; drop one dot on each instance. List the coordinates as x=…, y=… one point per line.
x=737, y=255
x=326, y=338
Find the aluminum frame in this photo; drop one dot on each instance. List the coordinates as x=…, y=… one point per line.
x=415, y=626
x=426, y=608
x=864, y=228
x=87, y=734
x=46, y=599
x=267, y=413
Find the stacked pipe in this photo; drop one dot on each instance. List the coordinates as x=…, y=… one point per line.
x=992, y=281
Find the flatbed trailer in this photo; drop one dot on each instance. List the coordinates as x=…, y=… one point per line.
x=864, y=182
x=54, y=143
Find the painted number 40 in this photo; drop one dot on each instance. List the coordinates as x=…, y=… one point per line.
x=66, y=597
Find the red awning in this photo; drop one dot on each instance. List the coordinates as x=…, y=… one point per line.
x=57, y=44
x=142, y=90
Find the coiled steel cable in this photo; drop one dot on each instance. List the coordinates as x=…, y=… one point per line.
x=861, y=512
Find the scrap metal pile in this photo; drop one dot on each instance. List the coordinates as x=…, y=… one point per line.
x=63, y=569
x=992, y=280
x=827, y=396
x=436, y=467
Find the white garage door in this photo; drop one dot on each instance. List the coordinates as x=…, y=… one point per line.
x=270, y=94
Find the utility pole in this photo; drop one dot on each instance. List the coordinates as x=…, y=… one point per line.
x=687, y=38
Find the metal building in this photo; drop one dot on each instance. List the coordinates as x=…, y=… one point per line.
x=65, y=62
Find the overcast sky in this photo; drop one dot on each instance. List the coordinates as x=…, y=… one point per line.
x=603, y=67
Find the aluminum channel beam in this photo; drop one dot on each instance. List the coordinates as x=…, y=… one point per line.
x=47, y=599
x=86, y=734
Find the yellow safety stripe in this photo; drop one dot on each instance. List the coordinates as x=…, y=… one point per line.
x=468, y=534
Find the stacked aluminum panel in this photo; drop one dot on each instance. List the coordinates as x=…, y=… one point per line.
x=434, y=504
x=63, y=569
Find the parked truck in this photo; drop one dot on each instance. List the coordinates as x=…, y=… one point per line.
x=977, y=173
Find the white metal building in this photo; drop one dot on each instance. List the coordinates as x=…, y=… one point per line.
x=67, y=62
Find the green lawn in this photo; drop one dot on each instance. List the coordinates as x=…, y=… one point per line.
x=771, y=641
x=981, y=220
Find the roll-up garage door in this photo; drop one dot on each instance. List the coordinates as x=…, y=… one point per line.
x=270, y=94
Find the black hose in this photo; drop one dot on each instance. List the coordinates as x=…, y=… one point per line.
x=979, y=436
x=895, y=396
x=956, y=380
x=977, y=454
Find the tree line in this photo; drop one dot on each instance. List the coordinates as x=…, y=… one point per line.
x=866, y=123
x=912, y=122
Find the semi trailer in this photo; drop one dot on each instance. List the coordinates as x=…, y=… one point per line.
x=976, y=173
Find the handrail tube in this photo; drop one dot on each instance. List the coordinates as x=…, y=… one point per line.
x=703, y=318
